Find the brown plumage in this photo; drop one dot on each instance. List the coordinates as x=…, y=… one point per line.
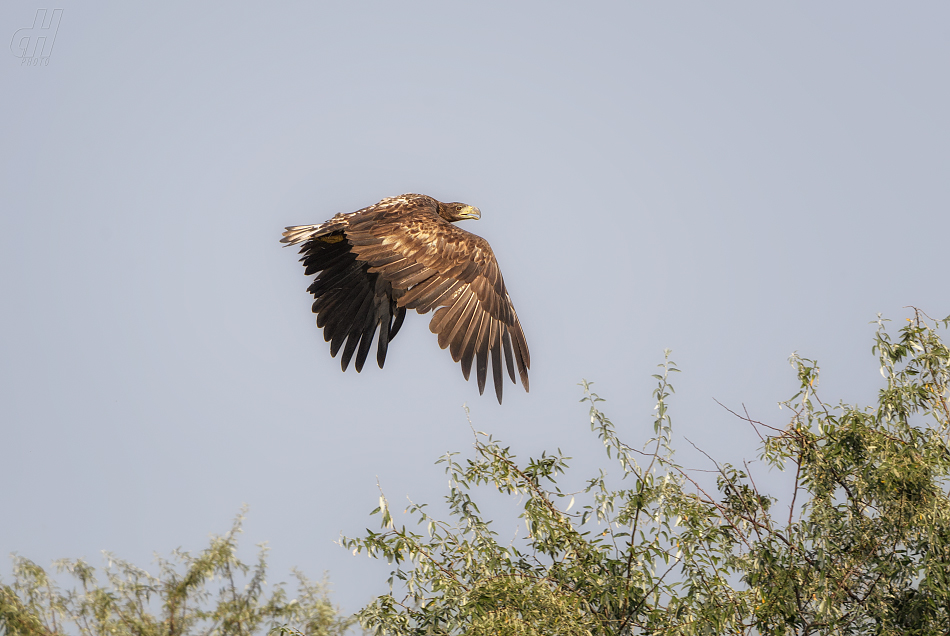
x=405, y=253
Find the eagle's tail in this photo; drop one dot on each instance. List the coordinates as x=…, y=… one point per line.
x=300, y=233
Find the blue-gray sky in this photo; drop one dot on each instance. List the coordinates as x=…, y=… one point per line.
x=735, y=181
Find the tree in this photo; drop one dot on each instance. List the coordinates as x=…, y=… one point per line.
x=862, y=548
x=177, y=602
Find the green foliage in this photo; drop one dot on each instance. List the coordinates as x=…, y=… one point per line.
x=177, y=602
x=862, y=547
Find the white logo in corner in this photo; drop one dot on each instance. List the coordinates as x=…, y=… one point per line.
x=34, y=44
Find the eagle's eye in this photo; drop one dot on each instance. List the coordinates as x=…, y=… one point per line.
x=458, y=208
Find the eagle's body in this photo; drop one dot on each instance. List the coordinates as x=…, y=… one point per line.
x=405, y=253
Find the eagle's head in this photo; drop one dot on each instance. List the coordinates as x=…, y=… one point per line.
x=458, y=211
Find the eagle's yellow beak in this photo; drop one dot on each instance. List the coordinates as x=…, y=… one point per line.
x=470, y=212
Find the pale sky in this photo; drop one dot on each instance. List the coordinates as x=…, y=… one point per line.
x=734, y=181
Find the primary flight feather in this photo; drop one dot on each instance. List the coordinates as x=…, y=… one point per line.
x=405, y=253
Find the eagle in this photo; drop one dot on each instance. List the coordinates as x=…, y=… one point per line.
x=405, y=253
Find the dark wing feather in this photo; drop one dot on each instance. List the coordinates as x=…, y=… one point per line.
x=350, y=302
x=362, y=322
